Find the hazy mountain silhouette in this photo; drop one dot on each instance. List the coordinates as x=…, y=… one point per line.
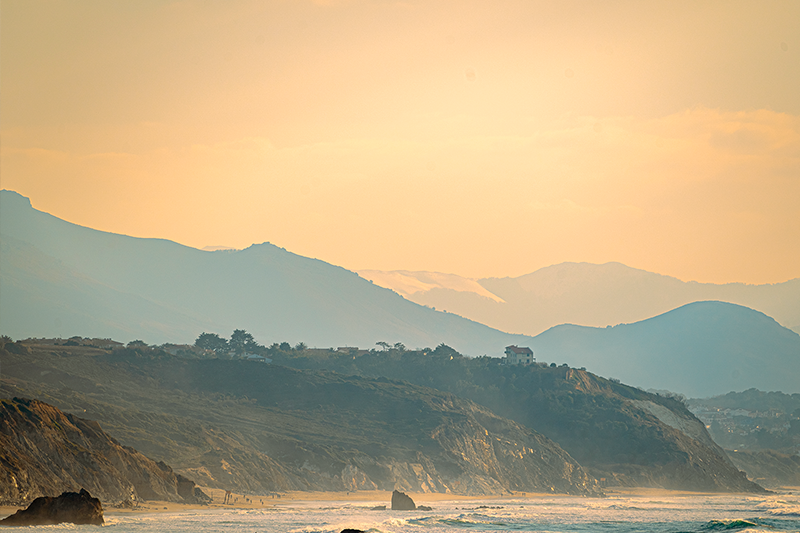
x=700, y=349
x=581, y=293
x=61, y=279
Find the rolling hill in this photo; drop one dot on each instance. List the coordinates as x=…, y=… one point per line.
x=700, y=349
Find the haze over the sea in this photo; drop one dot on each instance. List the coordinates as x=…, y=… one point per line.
x=482, y=139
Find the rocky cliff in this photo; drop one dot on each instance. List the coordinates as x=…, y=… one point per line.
x=44, y=451
x=621, y=433
x=258, y=428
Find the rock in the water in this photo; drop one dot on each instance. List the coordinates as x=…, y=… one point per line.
x=424, y=508
x=348, y=530
x=402, y=502
x=74, y=507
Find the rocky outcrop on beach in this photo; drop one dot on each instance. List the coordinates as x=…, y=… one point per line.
x=44, y=451
x=402, y=502
x=71, y=507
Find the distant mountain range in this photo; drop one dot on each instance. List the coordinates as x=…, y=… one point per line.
x=58, y=279
x=580, y=293
x=61, y=279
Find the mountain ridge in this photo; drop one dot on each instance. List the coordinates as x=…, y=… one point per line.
x=699, y=349
x=583, y=293
x=275, y=294
x=56, y=277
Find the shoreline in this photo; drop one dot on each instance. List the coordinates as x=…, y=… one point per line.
x=371, y=498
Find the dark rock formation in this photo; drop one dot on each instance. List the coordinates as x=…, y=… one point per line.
x=348, y=530
x=189, y=492
x=74, y=507
x=402, y=502
x=45, y=451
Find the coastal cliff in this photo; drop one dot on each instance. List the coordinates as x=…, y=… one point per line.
x=44, y=451
x=621, y=434
x=259, y=428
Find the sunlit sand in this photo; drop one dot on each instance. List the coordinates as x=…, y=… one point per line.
x=243, y=501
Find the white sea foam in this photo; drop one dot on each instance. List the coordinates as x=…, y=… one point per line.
x=781, y=507
x=699, y=514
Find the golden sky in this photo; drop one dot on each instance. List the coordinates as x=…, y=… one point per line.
x=478, y=138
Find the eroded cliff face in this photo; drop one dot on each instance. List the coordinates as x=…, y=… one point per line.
x=473, y=453
x=44, y=452
x=697, y=462
x=476, y=454
x=259, y=428
x=640, y=439
x=496, y=448
x=620, y=433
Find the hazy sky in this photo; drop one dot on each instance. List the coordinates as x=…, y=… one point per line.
x=479, y=138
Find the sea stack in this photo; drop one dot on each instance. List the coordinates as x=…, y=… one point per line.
x=74, y=507
x=402, y=502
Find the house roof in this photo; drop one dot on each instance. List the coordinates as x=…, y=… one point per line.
x=519, y=350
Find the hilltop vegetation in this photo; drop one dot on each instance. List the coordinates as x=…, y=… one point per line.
x=752, y=400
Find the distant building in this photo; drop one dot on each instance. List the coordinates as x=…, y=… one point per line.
x=256, y=357
x=516, y=355
x=173, y=349
x=352, y=350
x=347, y=349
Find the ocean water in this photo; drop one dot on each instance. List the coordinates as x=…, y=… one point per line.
x=673, y=514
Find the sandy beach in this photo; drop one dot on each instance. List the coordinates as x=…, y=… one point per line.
x=250, y=501
x=367, y=498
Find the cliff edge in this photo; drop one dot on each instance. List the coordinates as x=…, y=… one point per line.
x=44, y=451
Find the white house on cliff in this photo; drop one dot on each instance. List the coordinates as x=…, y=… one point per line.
x=516, y=355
